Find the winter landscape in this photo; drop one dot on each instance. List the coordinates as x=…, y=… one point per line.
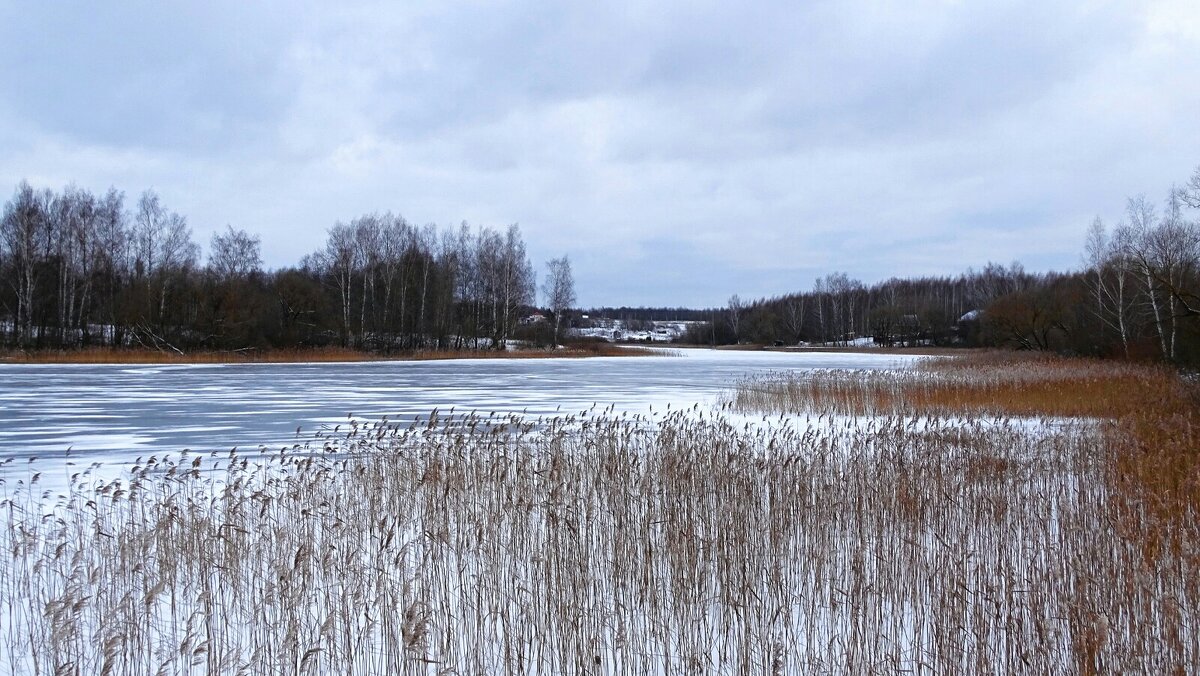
x=590, y=339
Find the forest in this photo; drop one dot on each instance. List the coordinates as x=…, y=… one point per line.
x=80, y=269
x=1137, y=296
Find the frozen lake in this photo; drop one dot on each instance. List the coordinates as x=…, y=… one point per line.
x=120, y=412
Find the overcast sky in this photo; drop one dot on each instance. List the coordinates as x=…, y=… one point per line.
x=677, y=152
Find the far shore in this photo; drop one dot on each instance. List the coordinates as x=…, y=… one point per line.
x=848, y=349
x=324, y=354
x=338, y=354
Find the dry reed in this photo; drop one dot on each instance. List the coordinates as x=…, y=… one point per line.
x=596, y=543
x=983, y=384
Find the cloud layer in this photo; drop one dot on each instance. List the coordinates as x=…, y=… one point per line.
x=678, y=152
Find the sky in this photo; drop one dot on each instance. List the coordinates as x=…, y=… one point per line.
x=677, y=152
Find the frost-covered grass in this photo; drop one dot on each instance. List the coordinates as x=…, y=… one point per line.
x=598, y=543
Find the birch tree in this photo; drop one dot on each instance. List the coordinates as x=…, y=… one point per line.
x=1109, y=278
x=163, y=248
x=794, y=315
x=112, y=263
x=734, y=308
x=559, y=290
x=516, y=284
x=1142, y=220
x=340, y=260
x=24, y=235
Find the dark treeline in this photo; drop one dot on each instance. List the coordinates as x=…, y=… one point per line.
x=79, y=269
x=840, y=310
x=1137, y=297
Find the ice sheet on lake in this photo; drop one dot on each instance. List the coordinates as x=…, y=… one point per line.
x=110, y=410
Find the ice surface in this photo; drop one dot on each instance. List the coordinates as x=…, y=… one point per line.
x=114, y=410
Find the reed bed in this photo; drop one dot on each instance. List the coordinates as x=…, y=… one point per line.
x=596, y=543
x=982, y=384
x=1149, y=415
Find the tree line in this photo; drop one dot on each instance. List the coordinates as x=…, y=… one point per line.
x=1137, y=296
x=81, y=269
x=840, y=310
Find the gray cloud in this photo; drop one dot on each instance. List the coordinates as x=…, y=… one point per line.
x=678, y=152
x=146, y=74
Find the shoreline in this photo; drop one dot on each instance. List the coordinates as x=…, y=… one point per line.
x=794, y=349
x=315, y=355
x=337, y=354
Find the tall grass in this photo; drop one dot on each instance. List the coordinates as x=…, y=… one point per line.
x=596, y=543
x=983, y=384
x=1150, y=415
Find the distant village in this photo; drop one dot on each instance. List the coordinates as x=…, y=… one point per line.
x=906, y=332
x=643, y=331
x=620, y=330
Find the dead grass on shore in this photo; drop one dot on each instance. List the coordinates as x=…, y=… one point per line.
x=324, y=354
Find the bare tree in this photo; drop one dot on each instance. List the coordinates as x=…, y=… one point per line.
x=148, y=224
x=843, y=296
x=340, y=259
x=994, y=281
x=234, y=254
x=1170, y=256
x=394, y=235
x=559, y=290
x=819, y=296
x=516, y=284
x=163, y=247
x=1109, y=278
x=112, y=252
x=793, y=316
x=424, y=244
x=451, y=253
x=1031, y=319
x=24, y=234
x=1142, y=221
x=735, y=309
x=367, y=234
x=1190, y=193
x=72, y=223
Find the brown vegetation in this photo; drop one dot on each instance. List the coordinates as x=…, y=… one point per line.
x=1146, y=417
x=1150, y=413
x=949, y=541
x=981, y=383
